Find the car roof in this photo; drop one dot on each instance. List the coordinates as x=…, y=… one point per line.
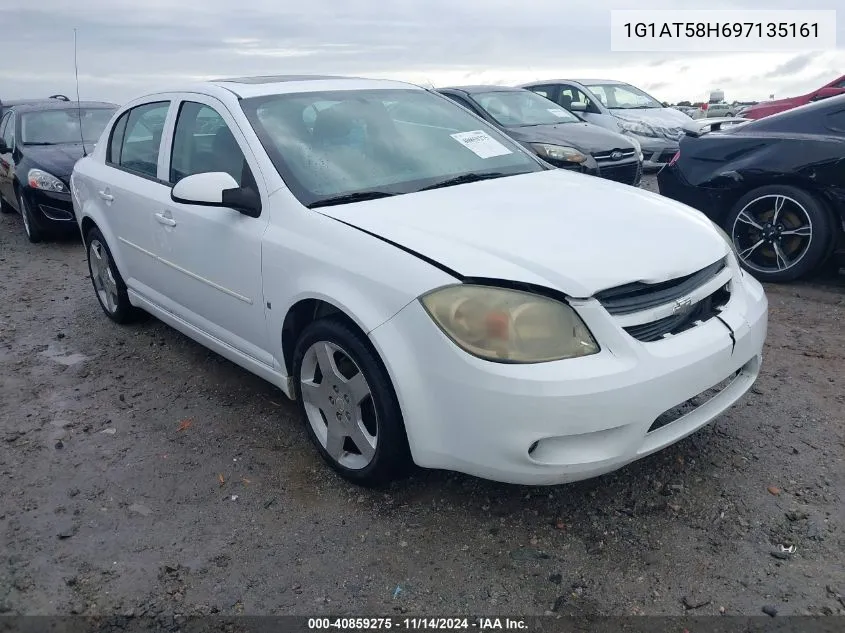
x=48, y=104
x=482, y=88
x=583, y=82
x=245, y=87
x=587, y=82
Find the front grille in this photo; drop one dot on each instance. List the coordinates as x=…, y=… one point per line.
x=620, y=173
x=638, y=296
x=605, y=156
x=701, y=312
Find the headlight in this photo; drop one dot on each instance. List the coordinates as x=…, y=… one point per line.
x=509, y=325
x=39, y=179
x=559, y=152
x=636, y=127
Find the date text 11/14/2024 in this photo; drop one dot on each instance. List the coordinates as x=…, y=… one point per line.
x=418, y=624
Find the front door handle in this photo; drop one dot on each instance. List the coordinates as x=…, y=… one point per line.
x=163, y=219
x=105, y=195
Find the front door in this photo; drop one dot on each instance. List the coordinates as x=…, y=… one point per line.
x=212, y=255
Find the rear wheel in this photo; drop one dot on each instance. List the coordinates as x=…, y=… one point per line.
x=108, y=284
x=780, y=232
x=350, y=408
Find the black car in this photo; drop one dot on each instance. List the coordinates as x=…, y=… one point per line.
x=39, y=145
x=552, y=132
x=776, y=185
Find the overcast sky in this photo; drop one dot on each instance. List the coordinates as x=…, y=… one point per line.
x=127, y=47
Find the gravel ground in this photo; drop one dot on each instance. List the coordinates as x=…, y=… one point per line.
x=143, y=474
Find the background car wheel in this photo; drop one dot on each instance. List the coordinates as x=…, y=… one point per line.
x=780, y=232
x=350, y=408
x=33, y=233
x=5, y=207
x=108, y=284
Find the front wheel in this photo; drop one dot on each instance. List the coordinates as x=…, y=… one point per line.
x=780, y=232
x=33, y=233
x=5, y=207
x=351, y=411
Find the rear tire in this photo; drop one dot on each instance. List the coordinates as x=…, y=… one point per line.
x=350, y=408
x=108, y=284
x=780, y=232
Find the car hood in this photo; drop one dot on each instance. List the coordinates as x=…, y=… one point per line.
x=56, y=159
x=574, y=233
x=668, y=122
x=585, y=137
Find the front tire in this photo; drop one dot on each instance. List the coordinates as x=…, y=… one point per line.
x=5, y=207
x=33, y=233
x=108, y=284
x=780, y=232
x=349, y=405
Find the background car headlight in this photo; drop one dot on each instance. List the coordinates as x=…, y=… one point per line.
x=636, y=127
x=40, y=179
x=637, y=146
x=559, y=152
x=509, y=325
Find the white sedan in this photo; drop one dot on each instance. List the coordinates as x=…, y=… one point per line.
x=424, y=288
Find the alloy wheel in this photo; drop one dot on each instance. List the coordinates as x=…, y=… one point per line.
x=102, y=276
x=772, y=233
x=339, y=405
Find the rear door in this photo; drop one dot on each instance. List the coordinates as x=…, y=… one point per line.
x=211, y=256
x=128, y=191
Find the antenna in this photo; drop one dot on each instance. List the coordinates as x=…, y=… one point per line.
x=78, y=104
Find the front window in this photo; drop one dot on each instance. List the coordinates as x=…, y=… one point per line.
x=332, y=146
x=514, y=108
x=55, y=127
x=623, y=97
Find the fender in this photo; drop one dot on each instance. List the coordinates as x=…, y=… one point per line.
x=301, y=261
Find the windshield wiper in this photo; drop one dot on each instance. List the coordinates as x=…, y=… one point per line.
x=347, y=198
x=464, y=179
x=40, y=143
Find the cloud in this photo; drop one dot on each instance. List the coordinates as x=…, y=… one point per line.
x=794, y=65
x=127, y=48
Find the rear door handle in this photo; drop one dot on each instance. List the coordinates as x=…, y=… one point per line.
x=105, y=195
x=163, y=219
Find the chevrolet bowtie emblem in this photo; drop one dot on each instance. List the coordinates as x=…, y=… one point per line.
x=682, y=306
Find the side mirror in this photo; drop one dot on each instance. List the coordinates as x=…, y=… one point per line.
x=216, y=189
x=578, y=106
x=3, y=147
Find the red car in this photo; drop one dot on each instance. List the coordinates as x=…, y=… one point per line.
x=835, y=87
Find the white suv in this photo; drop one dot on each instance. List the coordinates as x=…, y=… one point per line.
x=426, y=289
